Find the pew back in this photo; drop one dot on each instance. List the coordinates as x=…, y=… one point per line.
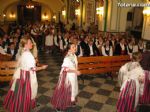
x=101, y=64
x=7, y=69
x=5, y=57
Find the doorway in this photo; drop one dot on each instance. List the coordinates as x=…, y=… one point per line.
x=26, y=15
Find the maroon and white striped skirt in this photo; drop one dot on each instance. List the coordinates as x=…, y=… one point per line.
x=126, y=99
x=19, y=100
x=61, y=98
x=145, y=98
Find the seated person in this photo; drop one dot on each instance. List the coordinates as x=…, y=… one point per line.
x=107, y=49
x=121, y=48
x=2, y=51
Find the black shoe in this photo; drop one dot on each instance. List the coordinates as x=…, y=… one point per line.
x=73, y=104
x=58, y=110
x=37, y=104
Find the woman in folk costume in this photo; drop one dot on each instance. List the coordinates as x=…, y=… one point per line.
x=131, y=79
x=145, y=63
x=67, y=87
x=23, y=87
x=34, y=50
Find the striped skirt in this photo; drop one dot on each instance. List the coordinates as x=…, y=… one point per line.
x=145, y=98
x=126, y=99
x=61, y=98
x=19, y=100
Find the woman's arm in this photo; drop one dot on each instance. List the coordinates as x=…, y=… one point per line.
x=73, y=71
x=103, y=51
x=43, y=67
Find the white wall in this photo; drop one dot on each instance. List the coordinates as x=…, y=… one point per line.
x=118, y=15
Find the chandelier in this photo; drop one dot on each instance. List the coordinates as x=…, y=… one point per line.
x=29, y=4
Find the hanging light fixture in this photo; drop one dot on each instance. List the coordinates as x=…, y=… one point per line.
x=100, y=8
x=29, y=4
x=146, y=11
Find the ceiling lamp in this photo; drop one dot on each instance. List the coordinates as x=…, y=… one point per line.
x=29, y=4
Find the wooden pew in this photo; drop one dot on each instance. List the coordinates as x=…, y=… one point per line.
x=101, y=64
x=7, y=69
x=5, y=57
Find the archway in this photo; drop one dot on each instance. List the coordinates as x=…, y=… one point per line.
x=52, y=7
x=11, y=9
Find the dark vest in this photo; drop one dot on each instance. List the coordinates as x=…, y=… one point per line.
x=107, y=51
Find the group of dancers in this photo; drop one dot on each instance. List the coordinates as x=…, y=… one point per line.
x=21, y=96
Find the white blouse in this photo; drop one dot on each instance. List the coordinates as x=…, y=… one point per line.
x=27, y=61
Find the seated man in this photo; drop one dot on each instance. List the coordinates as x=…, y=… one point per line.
x=2, y=51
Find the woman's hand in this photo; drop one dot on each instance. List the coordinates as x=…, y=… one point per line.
x=44, y=67
x=141, y=79
x=78, y=72
x=41, y=67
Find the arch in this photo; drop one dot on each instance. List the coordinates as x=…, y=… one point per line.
x=46, y=9
x=54, y=5
x=6, y=8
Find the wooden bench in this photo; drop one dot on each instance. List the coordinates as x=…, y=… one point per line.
x=7, y=69
x=101, y=64
x=5, y=57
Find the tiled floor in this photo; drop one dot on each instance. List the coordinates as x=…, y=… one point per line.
x=96, y=94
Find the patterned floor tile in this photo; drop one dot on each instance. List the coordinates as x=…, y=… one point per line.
x=1, y=103
x=99, y=98
x=49, y=93
x=42, y=90
x=94, y=105
x=104, y=92
x=46, y=85
x=46, y=109
x=107, y=87
x=111, y=82
x=95, y=84
x=114, y=94
x=41, y=73
x=90, y=89
x=111, y=101
x=81, y=86
x=40, y=82
x=55, y=80
x=87, y=110
x=85, y=94
x=117, y=89
x=39, y=94
x=73, y=109
x=86, y=82
x=43, y=99
x=46, y=78
x=108, y=108
x=100, y=80
x=2, y=92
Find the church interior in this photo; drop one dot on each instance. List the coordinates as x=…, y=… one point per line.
x=106, y=35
